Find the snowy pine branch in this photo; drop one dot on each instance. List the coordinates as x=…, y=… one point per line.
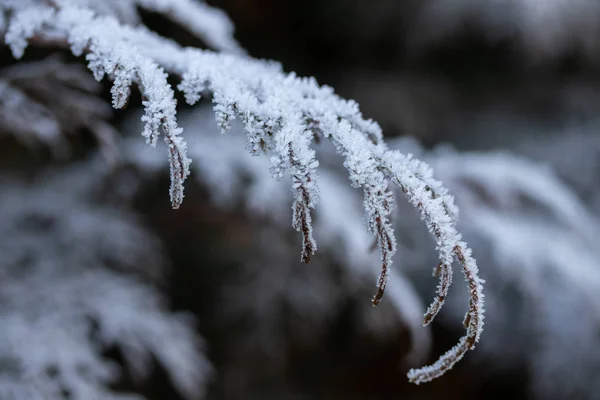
x=540, y=239
x=233, y=178
x=281, y=113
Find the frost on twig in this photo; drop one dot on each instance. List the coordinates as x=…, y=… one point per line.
x=211, y=25
x=538, y=237
x=109, y=52
x=449, y=245
x=271, y=288
x=281, y=114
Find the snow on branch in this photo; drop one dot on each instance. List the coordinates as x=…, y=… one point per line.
x=281, y=114
x=209, y=24
x=233, y=178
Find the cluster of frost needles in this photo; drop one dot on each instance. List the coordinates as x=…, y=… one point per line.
x=282, y=115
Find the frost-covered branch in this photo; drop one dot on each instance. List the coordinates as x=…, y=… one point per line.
x=281, y=114
x=539, y=238
x=449, y=245
x=267, y=288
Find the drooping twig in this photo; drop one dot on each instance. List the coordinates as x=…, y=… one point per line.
x=280, y=113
